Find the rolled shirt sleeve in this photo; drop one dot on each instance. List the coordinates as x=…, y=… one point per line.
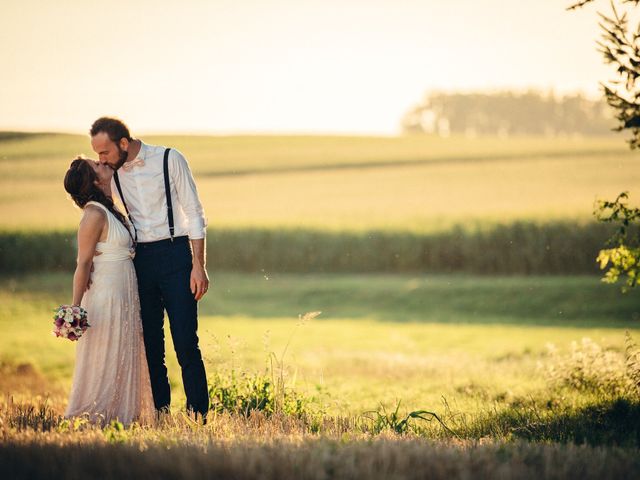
x=187, y=194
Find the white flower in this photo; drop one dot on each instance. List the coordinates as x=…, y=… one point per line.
x=69, y=310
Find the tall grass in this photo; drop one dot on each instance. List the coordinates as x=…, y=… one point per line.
x=271, y=392
x=542, y=437
x=591, y=368
x=556, y=432
x=316, y=458
x=518, y=248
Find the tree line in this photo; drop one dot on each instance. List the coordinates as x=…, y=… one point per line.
x=507, y=113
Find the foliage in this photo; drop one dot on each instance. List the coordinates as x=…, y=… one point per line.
x=624, y=254
x=608, y=421
x=244, y=393
x=507, y=114
x=518, y=248
x=241, y=393
x=40, y=417
x=270, y=393
x=621, y=48
x=590, y=368
x=382, y=420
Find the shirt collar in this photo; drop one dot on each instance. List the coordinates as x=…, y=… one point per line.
x=143, y=151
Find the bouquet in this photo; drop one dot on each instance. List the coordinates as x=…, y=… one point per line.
x=70, y=321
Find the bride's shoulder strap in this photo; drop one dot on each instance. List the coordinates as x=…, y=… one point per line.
x=101, y=207
x=97, y=204
x=93, y=215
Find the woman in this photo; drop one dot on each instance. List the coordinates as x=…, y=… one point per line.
x=111, y=378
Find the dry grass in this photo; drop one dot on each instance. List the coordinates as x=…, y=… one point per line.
x=382, y=458
x=44, y=156
x=280, y=447
x=485, y=441
x=25, y=380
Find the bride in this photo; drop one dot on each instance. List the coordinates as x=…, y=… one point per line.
x=111, y=377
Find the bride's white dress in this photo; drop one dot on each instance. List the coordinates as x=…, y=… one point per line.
x=111, y=377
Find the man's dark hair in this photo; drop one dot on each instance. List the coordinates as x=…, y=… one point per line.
x=114, y=127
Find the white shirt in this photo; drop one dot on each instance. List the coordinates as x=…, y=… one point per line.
x=144, y=194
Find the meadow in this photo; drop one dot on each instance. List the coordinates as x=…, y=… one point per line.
x=474, y=361
x=380, y=338
x=351, y=204
x=455, y=375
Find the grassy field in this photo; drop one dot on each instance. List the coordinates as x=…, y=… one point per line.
x=477, y=352
x=346, y=183
x=529, y=376
x=379, y=338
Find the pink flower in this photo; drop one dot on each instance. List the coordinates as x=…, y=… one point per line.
x=70, y=322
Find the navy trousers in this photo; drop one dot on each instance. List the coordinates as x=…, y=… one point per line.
x=163, y=270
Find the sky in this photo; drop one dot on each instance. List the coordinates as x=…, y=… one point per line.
x=279, y=66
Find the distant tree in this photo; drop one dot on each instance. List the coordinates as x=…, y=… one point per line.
x=508, y=113
x=621, y=48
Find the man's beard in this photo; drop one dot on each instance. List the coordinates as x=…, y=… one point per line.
x=122, y=157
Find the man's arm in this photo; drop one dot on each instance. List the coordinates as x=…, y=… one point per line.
x=190, y=202
x=199, y=278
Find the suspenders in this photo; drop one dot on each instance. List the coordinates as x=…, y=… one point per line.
x=135, y=231
x=167, y=192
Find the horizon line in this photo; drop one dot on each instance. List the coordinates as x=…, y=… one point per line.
x=211, y=133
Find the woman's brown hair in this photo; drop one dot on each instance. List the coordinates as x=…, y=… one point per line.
x=79, y=183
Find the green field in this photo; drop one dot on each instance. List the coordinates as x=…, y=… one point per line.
x=483, y=354
x=382, y=326
x=379, y=338
x=518, y=368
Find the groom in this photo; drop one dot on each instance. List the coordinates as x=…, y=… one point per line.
x=158, y=192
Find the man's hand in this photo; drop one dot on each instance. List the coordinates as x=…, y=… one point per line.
x=199, y=281
x=89, y=281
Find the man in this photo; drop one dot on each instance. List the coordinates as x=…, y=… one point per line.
x=157, y=189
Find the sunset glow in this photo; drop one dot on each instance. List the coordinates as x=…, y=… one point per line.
x=278, y=66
